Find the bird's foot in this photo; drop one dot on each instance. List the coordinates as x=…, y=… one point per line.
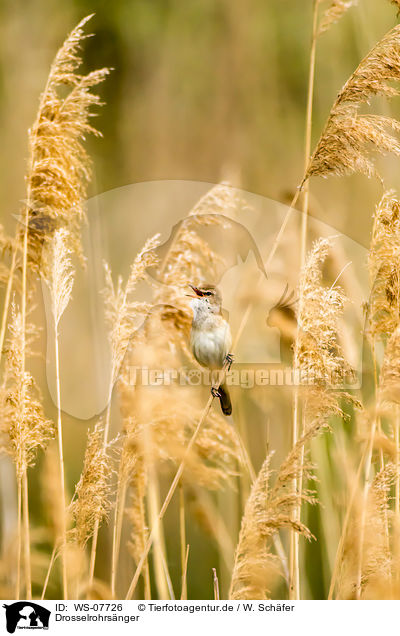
x=215, y=393
x=229, y=360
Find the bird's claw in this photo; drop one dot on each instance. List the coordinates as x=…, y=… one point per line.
x=229, y=360
x=215, y=393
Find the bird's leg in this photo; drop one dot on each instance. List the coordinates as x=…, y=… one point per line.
x=228, y=361
x=215, y=393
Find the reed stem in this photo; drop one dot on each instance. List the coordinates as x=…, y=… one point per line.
x=294, y=566
x=182, y=536
x=117, y=530
x=27, y=542
x=7, y=299
x=19, y=539
x=62, y=470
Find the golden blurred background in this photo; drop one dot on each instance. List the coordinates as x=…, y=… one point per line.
x=202, y=91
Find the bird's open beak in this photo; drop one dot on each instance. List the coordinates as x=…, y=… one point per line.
x=197, y=291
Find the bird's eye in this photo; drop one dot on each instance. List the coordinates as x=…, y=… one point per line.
x=207, y=294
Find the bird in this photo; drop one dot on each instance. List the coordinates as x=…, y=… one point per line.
x=210, y=337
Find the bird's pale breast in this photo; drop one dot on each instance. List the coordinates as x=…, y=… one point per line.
x=211, y=344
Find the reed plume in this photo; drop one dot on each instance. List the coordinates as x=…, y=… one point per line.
x=56, y=177
x=350, y=138
x=269, y=508
x=319, y=361
x=24, y=426
x=383, y=310
x=132, y=476
x=368, y=536
x=59, y=166
x=91, y=501
x=121, y=313
x=121, y=310
x=389, y=380
x=162, y=342
x=169, y=421
x=333, y=13
x=319, y=356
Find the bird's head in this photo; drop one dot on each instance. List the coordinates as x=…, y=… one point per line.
x=206, y=298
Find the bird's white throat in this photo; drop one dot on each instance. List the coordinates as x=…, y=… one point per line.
x=202, y=311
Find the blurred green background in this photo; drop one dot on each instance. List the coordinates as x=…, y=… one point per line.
x=201, y=90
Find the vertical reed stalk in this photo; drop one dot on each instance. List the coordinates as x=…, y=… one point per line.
x=7, y=300
x=171, y=491
x=117, y=530
x=215, y=585
x=294, y=571
x=146, y=576
x=396, y=574
x=159, y=559
x=397, y=482
x=93, y=550
x=182, y=536
x=184, y=575
x=307, y=141
x=46, y=580
x=19, y=540
x=28, y=585
x=346, y=525
x=181, y=468
x=27, y=541
x=368, y=464
x=376, y=385
x=62, y=470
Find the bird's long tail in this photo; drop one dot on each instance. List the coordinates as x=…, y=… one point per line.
x=225, y=400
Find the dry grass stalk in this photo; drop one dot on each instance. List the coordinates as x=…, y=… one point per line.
x=50, y=493
x=172, y=489
x=319, y=359
x=268, y=509
x=169, y=420
x=91, y=502
x=8, y=278
x=384, y=265
x=132, y=479
x=60, y=282
x=60, y=274
x=335, y=11
x=390, y=372
x=121, y=312
x=164, y=421
x=350, y=139
x=24, y=427
x=318, y=353
x=389, y=402
x=58, y=169
x=56, y=177
x=368, y=536
x=136, y=513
